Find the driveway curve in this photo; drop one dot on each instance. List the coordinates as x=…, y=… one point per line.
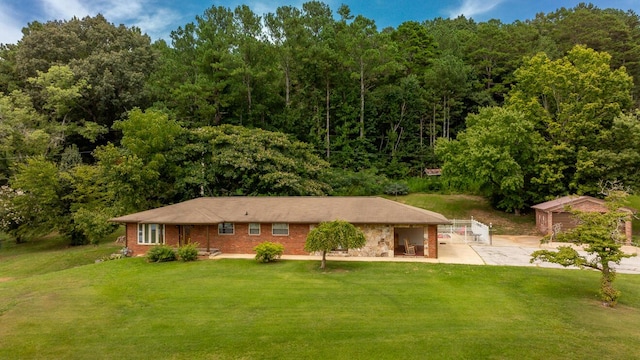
x=516, y=251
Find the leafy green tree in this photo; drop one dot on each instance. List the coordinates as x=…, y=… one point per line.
x=400, y=116
x=115, y=61
x=285, y=32
x=241, y=161
x=140, y=174
x=618, y=156
x=605, y=30
x=45, y=200
x=497, y=153
x=23, y=132
x=11, y=216
x=60, y=92
x=573, y=102
x=600, y=235
x=449, y=78
x=91, y=204
x=337, y=234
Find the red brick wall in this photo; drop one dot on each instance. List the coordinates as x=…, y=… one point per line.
x=238, y=243
x=243, y=243
x=432, y=251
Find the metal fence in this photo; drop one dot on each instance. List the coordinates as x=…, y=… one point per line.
x=466, y=231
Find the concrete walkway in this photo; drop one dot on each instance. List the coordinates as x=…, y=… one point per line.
x=504, y=250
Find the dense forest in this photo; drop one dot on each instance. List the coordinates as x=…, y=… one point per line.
x=98, y=120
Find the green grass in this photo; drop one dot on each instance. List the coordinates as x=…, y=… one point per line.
x=239, y=309
x=48, y=254
x=466, y=206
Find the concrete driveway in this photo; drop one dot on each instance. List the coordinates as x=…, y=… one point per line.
x=516, y=251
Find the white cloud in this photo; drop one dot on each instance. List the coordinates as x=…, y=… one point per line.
x=64, y=9
x=471, y=8
x=147, y=15
x=10, y=27
x=157, y=24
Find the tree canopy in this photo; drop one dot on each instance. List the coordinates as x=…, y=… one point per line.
x=333, y=235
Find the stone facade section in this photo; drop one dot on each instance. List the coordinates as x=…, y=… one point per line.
x=379, y=241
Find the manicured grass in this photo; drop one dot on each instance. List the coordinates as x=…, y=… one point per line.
x=49, y=254
x=466, y=206
x=239, y=309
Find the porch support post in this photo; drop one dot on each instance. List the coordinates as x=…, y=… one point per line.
x=432, y=234
x=208, y=239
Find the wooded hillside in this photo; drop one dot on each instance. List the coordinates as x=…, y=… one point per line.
x=97, y=120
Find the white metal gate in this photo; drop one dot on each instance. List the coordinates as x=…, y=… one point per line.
x=466, y=231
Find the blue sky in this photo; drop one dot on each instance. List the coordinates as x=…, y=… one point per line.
x=159, y=17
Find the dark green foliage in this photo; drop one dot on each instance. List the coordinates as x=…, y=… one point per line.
x=188, y=252
x=268, y=251
x=161, y=253
x=426, y=184
x=361, y=183
x=396, y=188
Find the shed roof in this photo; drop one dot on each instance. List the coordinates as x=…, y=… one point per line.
x=573, y=200
x=306, y=210
x=561, y=202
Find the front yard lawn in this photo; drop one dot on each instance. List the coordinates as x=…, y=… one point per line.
x=240, y=309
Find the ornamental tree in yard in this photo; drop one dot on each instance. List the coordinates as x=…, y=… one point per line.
x=337, y=234
x=602, y=239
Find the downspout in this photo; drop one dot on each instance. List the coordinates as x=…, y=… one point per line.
x=208, y=240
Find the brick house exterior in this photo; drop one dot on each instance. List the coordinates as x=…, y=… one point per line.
x=235, y=225
x=553, y=214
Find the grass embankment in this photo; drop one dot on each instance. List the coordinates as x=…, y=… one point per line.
x=48, y=254
x=231, y=309
x=466, y=206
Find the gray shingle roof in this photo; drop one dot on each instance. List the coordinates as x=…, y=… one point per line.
x=305, y=210
x=559, y=203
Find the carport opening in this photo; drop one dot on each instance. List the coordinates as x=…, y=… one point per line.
x=415, y=236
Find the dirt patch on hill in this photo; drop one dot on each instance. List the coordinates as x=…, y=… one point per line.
x=4, y=279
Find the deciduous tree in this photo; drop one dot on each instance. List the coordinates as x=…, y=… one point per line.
x=497, y=152
x=573, y=102
x=337, y=234
x=601, y=236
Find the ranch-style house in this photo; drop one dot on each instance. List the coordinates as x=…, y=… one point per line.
x=235, y=225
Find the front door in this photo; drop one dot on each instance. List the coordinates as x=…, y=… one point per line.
x=185, y=234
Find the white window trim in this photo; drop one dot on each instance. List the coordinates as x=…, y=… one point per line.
x=233, y=228
x=249, y=229
x=160, y=235
x=273, y=228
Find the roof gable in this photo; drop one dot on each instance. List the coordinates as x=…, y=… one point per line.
x=570, y=200
x=310, y=210
x=559, y=204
